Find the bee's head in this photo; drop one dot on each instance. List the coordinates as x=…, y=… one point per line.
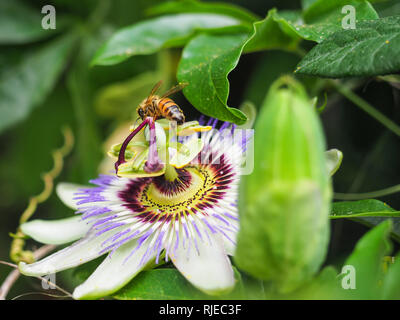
x=141, y=112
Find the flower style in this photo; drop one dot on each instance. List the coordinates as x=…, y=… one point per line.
x=184, y=211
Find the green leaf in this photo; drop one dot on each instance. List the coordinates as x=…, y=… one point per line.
x=208, y=59
x=362, y=208
x=27, y=84
x=154, y=34
x=323, y=18
x=371, y=49
x=206, y=62
x=374, y=221
x=269, y=34
x=325, y=286
x=369, y=212
x=20, y=23
x=388, y=8
x=305, y=4
x=330, y=11
x=168, y=284
x=185, y=6
x=82, y=272
x=390, y=286
x=159, y=284
x=367, y=260
x=373, y=279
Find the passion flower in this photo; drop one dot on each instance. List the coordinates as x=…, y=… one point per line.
x=184, y=210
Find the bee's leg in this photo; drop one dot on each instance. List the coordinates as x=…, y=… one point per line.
x=121, y=155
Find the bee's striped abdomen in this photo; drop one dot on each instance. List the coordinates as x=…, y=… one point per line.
x=165, y=104
x=170, y=110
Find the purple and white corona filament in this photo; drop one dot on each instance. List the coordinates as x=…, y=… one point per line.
x=188, y=217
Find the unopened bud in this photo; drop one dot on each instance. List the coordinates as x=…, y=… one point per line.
x=285, y=202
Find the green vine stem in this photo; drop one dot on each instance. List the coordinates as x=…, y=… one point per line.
x=367, y=195
x=17, y=252
x=14, y=275
x=365, y=106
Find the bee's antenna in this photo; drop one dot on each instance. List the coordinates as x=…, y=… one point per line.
x=134, y=125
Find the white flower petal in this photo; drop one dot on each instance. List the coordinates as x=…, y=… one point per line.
x=84, y=250
x=210, y=269
x=65, y=192
x=230, y=244
x=229, y=247
x=56, y=231
x=113, y=273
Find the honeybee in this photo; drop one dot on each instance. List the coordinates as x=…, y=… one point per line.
x=161, y=106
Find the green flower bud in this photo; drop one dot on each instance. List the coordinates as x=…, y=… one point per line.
x=284, y=204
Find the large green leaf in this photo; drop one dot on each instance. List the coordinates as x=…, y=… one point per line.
x=325, y=286
x=367, y=260
x=27, y=84
x=269, y=33
x=388, y=8
x=374, y=276
x=151, y=35
x=369, y=50
x=20, y=23
x=374, y=221
x=159, y=284
x=330, y=11
x=323, y=18
x=377, y=274
x=206, y=62
x=206, y=7
x=168, y=284
x=208, y=59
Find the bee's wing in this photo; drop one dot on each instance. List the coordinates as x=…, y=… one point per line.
x=155, y=88
x=174, y=89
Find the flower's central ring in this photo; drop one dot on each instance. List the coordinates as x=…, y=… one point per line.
x=185, y=192
x=195, y=189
